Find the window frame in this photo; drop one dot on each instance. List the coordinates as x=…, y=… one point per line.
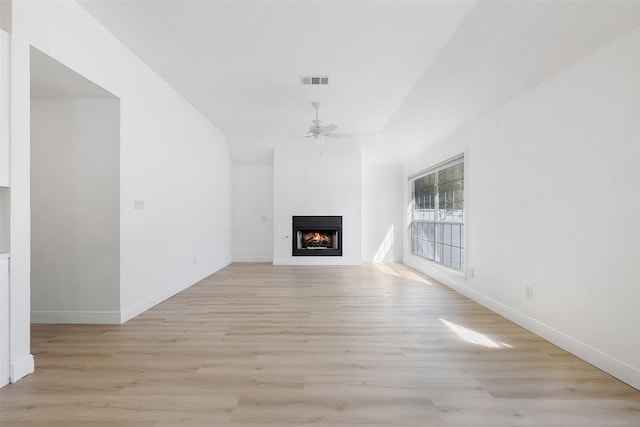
x=436, y=223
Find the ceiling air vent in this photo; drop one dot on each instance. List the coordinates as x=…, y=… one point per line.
x=314, y=80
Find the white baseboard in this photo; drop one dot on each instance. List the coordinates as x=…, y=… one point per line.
x=67, y=316
x=22, y=368
x=144, y=305
x=608, y=364
x=252, y=259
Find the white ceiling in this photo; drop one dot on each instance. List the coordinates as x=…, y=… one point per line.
x=403, y=73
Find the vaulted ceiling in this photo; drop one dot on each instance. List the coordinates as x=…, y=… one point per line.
x=402, y=73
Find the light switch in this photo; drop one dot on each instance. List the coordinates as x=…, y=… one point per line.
x=138, y=205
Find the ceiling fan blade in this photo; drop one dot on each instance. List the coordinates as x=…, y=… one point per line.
x=328, y=128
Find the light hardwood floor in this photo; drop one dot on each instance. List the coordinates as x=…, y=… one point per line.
x=258, y=345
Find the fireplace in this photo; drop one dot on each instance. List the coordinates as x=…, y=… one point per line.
x=317, y=236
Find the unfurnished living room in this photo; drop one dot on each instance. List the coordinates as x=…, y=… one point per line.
x=314, y=212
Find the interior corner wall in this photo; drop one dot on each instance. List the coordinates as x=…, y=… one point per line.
x=551, y=191
x=175, y=168
x=252, y=213
x=75, y=210
x=382, y=221
x=314, y=179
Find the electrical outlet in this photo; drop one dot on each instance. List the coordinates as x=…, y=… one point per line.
x=528, y=292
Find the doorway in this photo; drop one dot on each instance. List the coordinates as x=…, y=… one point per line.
x=75, y=197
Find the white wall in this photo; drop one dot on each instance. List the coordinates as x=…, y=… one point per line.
x=5, y=209
x=310, y=179
x=551, y=193
x=171, y=158
x=75, y=210
x=253, y=213
x=382, y=220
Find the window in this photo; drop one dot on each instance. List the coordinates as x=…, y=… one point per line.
x=437, y=223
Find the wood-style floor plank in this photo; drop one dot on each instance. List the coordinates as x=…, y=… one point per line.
x=262, y=345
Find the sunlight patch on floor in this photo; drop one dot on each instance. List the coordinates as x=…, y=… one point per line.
x=398, y=270
x=474, y=337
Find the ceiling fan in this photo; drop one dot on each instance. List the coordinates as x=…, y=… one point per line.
x=318, y=132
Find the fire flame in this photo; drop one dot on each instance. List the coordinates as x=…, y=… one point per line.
x=317, y=238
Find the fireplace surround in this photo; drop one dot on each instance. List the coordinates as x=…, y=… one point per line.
x=317, y=236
